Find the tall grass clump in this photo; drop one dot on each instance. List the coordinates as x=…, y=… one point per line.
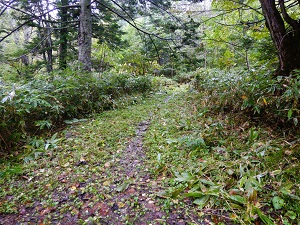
x=45, y=102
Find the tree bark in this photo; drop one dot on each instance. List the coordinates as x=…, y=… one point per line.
x=63, y=45
x=85, y=36
x=287, y=42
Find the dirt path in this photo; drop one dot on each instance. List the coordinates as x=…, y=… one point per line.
x=134, y=193
x=77, y=186
x=122, y=192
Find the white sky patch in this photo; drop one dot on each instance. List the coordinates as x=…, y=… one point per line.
x=187, y=6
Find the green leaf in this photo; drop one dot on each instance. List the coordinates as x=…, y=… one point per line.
x=286, y=192
x=201, y=202
x=208, y=182
x=290, y=113
x=195, y=194
x=159, y=158
x=184, y=177
x=291, y=214
x=238, y=199
x=263, y=217
x=213, y=191
x=124, y=186
x=278, y=202
x=176, y=192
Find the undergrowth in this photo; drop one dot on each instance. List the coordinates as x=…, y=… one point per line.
x=199, y=146
x=43, y=104
x=273, y=101
x=76, y=170
x=233, y=169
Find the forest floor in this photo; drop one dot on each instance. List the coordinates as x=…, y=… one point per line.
x=164, y=159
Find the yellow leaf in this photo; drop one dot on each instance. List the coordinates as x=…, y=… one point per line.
x=66, y=164
x=106, y=183
x=121, y=204
x=265, y=101
x=73, y=188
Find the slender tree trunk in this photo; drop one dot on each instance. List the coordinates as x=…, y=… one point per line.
x=46, y=36
x=46, y=47
x=49, y=48
x=63, y=45
x=247, y=60
x=287, y=43
x=49, y=56
x=85, y=36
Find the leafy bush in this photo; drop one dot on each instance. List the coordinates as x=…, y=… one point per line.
x=47, y=101
x=263, y=96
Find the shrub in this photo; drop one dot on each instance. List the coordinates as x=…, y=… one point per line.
x=256, y=93
x=47, y=101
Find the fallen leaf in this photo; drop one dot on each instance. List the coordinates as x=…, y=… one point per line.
x=46, y=211
x=121, y=204
x=130, y=191
x=75, y=211
x=66, y=164
x=287, y=152
x=26, y=178
x=202, y=160
x=73, y=188
x=124, y=186
x=107, y=165
x=102, y=208
x=106, y=183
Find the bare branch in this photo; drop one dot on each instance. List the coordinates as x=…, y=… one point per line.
x=5, y=8
x=15, y=29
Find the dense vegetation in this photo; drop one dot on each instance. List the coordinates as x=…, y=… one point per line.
x=63, y=62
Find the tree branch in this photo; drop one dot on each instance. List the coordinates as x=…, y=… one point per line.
x=35, y=47
x=5, y=8
x=250, y=7
x=169, y=13
x=15, y=29
x=132, y=24
x=117, y=4
x=286, y=17
x=17, y=9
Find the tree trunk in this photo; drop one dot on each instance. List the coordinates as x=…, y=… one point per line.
x=49, y=49
x=287, y=43
x=63, y=45
x=46, y=36
x=85, y=36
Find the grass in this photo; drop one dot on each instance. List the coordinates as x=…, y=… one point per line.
x=232, y=170
x=224, y=162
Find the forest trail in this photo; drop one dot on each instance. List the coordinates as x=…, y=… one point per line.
x=164, y=159
x=99, y=174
